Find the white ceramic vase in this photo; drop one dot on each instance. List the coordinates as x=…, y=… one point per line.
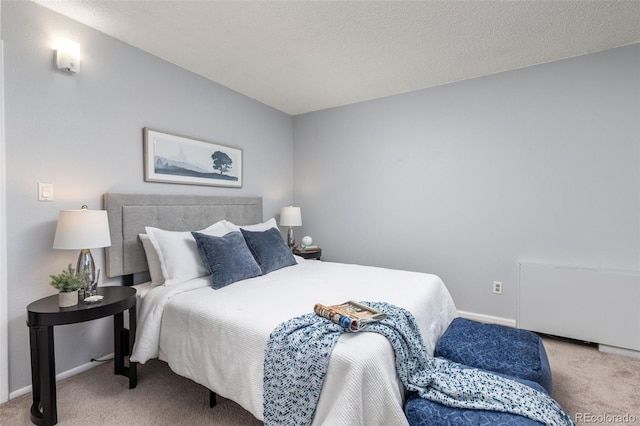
x=68, y=298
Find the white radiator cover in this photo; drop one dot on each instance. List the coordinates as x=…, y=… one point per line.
x=584, y=304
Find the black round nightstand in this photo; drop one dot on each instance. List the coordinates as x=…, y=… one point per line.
x=44, y=314
x=308, y=253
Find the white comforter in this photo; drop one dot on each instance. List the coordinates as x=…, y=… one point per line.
x=217, y=337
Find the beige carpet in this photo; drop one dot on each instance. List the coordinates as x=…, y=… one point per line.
x=592, y=387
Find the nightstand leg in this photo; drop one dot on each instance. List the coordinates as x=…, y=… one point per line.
x=123, y=340
x=118, y=344
x=43, y=376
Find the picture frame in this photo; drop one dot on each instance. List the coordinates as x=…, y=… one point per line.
x=170, y=158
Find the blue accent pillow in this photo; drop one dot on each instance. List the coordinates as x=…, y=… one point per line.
x=269, y=249
x=227, y=258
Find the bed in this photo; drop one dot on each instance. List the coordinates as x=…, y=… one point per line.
x=217, y=337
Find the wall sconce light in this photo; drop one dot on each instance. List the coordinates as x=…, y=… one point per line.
x=68, y=56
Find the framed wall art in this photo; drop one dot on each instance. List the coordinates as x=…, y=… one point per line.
x=171, y=158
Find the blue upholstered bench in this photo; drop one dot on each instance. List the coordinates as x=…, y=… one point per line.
x=510, y=352
x=422, y=412
x=496, y=348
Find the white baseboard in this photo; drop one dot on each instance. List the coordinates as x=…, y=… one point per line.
x=65, y=374
x=488, y=319
x=619, y=351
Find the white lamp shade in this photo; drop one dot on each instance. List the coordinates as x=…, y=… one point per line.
x=290, y=216
x=82, y=229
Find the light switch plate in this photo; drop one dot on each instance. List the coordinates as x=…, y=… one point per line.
x=45, y=191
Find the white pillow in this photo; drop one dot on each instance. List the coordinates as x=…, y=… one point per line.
x=258, y=227
x=153, y=261
x=179, y=257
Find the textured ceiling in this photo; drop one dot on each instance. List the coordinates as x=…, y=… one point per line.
x=302, y=56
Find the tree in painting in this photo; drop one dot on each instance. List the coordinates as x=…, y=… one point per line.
x=221, y=161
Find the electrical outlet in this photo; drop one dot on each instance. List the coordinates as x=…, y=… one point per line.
x=497, y=287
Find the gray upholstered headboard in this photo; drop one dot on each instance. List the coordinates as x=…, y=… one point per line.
x=129, y=213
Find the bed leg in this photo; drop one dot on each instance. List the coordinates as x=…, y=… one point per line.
x=212, y=399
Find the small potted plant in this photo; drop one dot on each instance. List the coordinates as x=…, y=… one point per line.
x=68, y=282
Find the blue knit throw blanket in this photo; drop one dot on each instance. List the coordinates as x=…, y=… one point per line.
x=297, y=356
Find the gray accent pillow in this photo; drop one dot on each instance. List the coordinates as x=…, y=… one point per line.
x=227, y=258
x=269, y=249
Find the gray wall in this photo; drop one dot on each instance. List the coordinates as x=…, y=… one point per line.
x=83, y=133
x=539, y=164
